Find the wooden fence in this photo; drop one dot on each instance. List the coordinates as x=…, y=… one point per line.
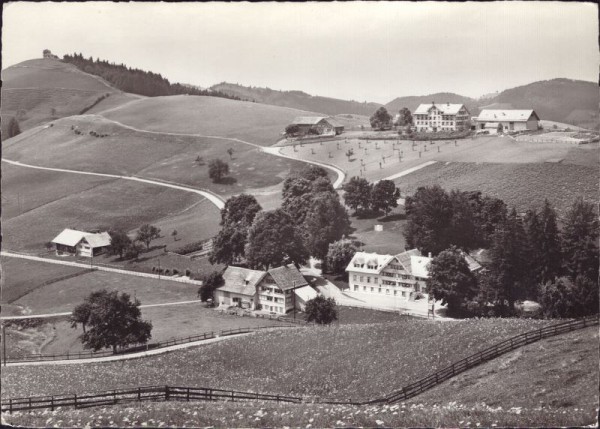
x=166, y=393
x=139, y=394
x=143, y=347
x=492, y=352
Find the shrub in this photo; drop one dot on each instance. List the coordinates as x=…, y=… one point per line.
x=189, y=248
x=188, y=273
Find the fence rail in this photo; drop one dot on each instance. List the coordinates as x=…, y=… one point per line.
x=143, y=347
x=166, y=393
x=485, y=355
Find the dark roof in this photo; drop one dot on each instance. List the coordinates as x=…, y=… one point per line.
x=288, y=277
x=236, y=278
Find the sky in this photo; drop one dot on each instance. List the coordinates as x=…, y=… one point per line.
x=363, y=51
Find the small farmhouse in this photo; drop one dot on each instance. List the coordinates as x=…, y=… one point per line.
x=277, y=290
x=507, y=120
x=81, y=243
x=318, y=125
x=441, y=117
x=401, y=276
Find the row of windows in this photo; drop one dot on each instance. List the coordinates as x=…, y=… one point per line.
x=273, y=308
x=273, y=299
x=379, y=290
x=442, y=122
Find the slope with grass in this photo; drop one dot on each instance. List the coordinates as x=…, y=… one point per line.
x=41, y=90
x=523, y=186
x=211, y=116
x=377, y=359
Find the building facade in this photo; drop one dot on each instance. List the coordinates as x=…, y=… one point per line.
x=278, y=290
x=81, y=243
x=441, y=117
x=507, y=120
x=318, y=125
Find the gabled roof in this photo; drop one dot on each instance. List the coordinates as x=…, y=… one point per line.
x=305, y=293
x=308, y=120
x=471, y=262
x=242, y=281
x=71, y=237
x=287, y=277
x=366, y=259
x=334, y=123
x=446, y=108
x=511, y=115
x=418, y=266
x=404, y=259
x=98, y=240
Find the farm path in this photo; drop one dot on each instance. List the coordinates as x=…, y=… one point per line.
x=212, y=197
x=265, y=149
x=137, y=355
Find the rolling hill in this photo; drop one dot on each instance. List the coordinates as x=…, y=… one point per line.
x=40, y=90
x=297, y=100
x=412, y=102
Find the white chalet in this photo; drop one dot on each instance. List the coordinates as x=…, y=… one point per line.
x=401, y=276
x=440, y=117
x=81, y=243
x=507, y=120
x=277, y=290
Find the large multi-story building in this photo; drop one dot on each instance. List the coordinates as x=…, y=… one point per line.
x=441, y=117
x=277, y=290
x=401, y=276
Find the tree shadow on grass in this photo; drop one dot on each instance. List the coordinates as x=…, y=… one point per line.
x=393, y=217
x=227, y=181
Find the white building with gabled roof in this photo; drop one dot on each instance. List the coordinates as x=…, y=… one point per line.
x=81, y=243
x=440, y=117
x=507, y=120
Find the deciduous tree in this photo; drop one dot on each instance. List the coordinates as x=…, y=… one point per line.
x=381, y=119
x=210, y=283
x=405, y=117
x=451, y=281
x=217, y=170
x=119, y=242
x=147, y=233
x=113, y=320
x=273, y=240
x=384, y=196
x=357, y=194
x=326, y=221
x=339, y=255
x=321, y=310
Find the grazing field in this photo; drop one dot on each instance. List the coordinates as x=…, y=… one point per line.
x=65, y=295
x=254, y=122
x=21, y=277
x=166, y=157
x=351, y=361
x=98, y=208
x=390, y=240
x=521, y=185
x=41, y=90
x=561, y=372
x=25, y=189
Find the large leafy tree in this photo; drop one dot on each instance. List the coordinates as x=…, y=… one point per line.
x=429, y=215
x=326, y=221
x=339, y=255
x=357, y=194
x=384, y=196
x=381, y=119
x=210, y=283
x=491, y=213
x=217, y=170
x=147, y=233
x=321, y=310
x=119, y=242
x=274, y=240
x=580, y=240
x=404, y=117
x=464, y=229
x=451, y=281
x=564, y=297
x=113, y=320
x=237, y=216
x=508, y=265
x=294, y=186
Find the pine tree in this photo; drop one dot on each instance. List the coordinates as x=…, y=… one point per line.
x=550, y=264
x=580, y=241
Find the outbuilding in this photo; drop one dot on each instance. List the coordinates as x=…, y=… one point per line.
x=81, y=243
x=507, y=120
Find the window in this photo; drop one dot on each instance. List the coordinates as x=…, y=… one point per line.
x=368, y=279
x=372, y=289
x=364, y=288
x=361, y=278
x=379, y=290
x=355, y=288
x=387, y=291
x=354, y=277
x=403, y=293
x=395, y=292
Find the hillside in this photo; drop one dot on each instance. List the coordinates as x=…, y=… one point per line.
x=41, y=90
x=210, y=116
x=562, y=100
x=412, y=102
x=297, y=100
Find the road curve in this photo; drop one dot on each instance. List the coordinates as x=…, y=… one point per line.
x=212, y=197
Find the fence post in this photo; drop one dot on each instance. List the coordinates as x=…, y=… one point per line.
x=139, y=394
x=166, y=393
x=74, y=400
x=278, y=398
x=51, y=403
x=115, y=396
x=10, y=406
x=232, y=397
x=30, y=402
x=188, y=394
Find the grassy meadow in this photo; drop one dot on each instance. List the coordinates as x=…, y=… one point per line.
x=342, y=362
x=521, y=185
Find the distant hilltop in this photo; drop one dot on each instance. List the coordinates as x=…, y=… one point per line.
x=46, y=53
